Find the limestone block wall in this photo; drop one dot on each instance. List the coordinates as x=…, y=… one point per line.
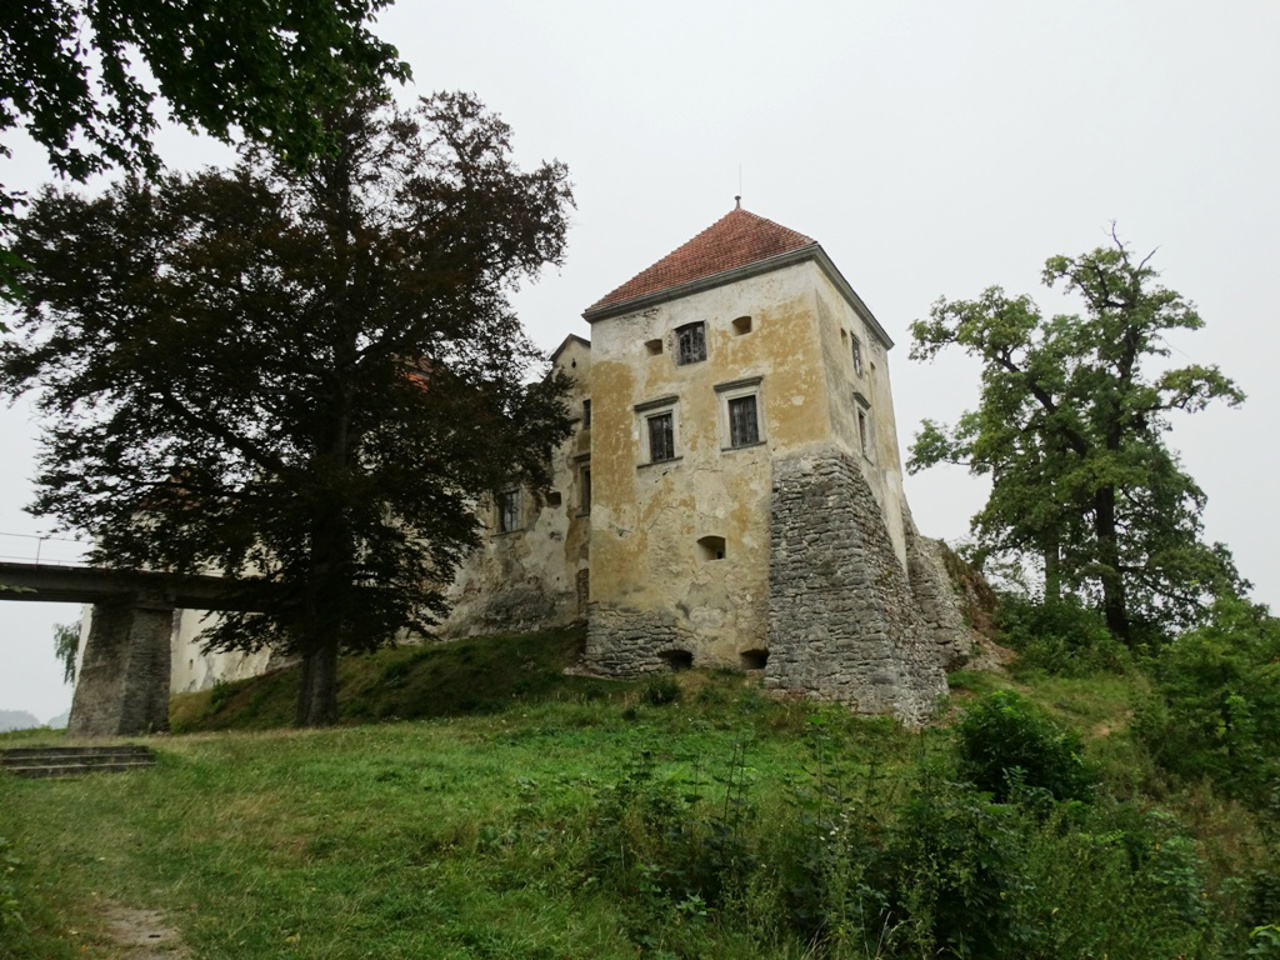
x=843, y=621
x=624, y=642
x=944, y=608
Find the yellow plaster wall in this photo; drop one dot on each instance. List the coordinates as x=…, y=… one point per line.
x=647, y=518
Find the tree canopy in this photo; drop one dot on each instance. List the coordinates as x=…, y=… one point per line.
x=1071, y=429
x=311, y=376
x=71, y=75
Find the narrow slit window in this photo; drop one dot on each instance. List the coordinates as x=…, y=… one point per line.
x=662, y=439
x=744, y=424
x=585, y=505
x=586, y=413
x=864, y=432
x=857, y=356
x=691, y=343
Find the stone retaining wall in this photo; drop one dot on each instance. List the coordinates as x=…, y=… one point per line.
x=625, y=642
x=844, y=624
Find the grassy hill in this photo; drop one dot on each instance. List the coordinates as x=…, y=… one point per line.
x=503, y=809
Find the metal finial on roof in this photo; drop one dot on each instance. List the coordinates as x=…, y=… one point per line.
x=737, y=202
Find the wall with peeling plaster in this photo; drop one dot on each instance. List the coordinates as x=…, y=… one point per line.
x=536, y=575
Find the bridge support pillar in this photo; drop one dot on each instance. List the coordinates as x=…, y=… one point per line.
x=123, y=687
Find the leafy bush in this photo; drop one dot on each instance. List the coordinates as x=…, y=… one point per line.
x=1216, y=710
x=1063, y=637
x=1007, y=744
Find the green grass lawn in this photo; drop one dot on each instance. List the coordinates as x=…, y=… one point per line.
x=482, y=829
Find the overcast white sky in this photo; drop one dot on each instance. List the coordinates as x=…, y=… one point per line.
x=931, y=147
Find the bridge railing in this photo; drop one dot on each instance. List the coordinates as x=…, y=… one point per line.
x=44, y=551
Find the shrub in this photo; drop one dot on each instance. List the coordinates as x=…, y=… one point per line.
x=1216, y=710
x=1063, y=637
x=1006, y=744
x=953, y=864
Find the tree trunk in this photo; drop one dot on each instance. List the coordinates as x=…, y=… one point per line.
x=318, y=691
x=1114, y=604
x=1052, y=574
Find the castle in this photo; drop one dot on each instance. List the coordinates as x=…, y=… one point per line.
x=731, y=494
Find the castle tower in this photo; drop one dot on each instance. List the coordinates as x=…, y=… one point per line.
x=747, y=505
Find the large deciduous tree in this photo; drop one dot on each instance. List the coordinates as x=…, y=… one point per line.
x=310, y=376
x=1071, y=430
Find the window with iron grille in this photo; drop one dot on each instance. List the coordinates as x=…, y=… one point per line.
x=508, y=511
x=691, y=343
x=744, y=426
x=662, y=438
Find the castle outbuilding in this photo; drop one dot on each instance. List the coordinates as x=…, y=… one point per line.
x=732, y=492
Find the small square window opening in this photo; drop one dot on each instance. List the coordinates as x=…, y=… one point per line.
x=741, y=325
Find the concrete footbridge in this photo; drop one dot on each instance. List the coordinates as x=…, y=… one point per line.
x=122, y=688
x=67, y=583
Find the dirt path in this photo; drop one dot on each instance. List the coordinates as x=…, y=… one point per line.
x=143, y=934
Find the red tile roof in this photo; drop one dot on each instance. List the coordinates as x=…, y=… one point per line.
x=735, y=240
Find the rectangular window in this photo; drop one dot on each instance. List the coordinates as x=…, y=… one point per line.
x=662, y=438
x=586, y=490
x=744, y=425
x=857, y=356
x=741, y=406
x=508, y=511
x=586, y=413
x=691, y=343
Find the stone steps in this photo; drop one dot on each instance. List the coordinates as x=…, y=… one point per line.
x=74, y=761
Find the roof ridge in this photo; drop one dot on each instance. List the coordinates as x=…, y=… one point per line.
x=737, y=239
